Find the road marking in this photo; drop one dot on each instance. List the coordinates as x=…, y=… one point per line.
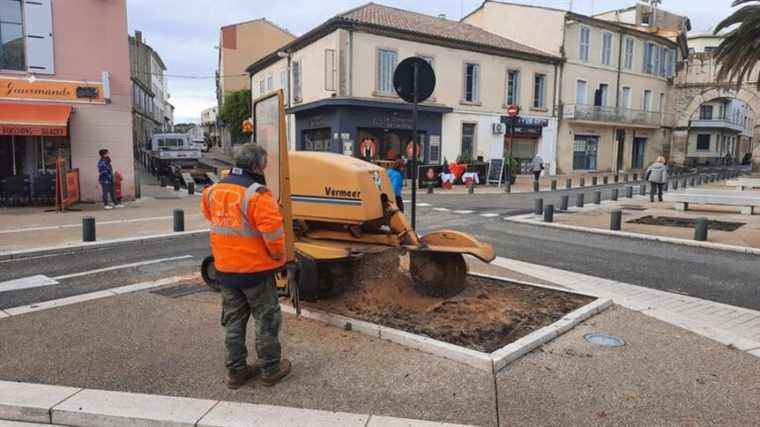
x=45, y=305
x=489, y=215
x=119, y=267
x=423, y=205
x=36, y=281
x=78, y=225
x=441, y=209
x=464, y=212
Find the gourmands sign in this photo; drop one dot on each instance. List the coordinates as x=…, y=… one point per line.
x=51, y=90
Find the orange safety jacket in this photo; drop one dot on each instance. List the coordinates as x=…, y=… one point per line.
x=247, y=234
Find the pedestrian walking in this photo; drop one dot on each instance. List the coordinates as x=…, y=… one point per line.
x=248, y=244
x=537, y=166
x=106, y=179
x=396, y=175
x=657, y=175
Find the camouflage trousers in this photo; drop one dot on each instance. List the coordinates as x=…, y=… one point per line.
x=238, y=304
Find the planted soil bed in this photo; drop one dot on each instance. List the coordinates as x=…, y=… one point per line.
x=668, y=221
x=486, y=316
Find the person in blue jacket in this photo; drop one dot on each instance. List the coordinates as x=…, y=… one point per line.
x=396, y=175
x=106, y=179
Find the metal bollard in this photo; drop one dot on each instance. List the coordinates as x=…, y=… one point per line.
x=643, y=189
x=88, y=229
x=605, y=180
x=629, y=192
x=635, y=177
x=684, y=183
x=594, y=181
x=597, y=197
x=162, y=181
x=691, y=181
x=471, y=187
x=191, y=188
x=700, y=229
x=675, y=184
x=536, y=187
x=569, y=184
x=179, y=220
x=616, y=178
x=581, y=198
x=430, y=187
x=554, y=185
x=666, y=186
x=564, y=203
x=583, y=182
x=625, y=177
x=549, y=213
x=176, y=184
x=616, y=219
x=614, y=194
x=538, y=206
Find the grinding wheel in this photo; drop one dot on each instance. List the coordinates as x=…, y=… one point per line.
x=438, y=274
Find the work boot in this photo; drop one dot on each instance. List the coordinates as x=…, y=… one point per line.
x=237, y=379
x=282, y=372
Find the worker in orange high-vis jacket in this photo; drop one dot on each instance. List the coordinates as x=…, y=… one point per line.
x=248, y=244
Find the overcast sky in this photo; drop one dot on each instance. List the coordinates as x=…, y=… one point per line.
x=186, y=32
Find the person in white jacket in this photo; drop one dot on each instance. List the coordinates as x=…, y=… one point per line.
x=657, y=175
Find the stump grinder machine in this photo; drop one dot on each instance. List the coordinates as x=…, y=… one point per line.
x=339, y=210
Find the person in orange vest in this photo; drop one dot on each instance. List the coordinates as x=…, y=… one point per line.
x=248, y=244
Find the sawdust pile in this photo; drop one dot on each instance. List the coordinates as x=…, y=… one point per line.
x=486, y=316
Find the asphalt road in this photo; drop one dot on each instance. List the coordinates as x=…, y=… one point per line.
x=725, y=277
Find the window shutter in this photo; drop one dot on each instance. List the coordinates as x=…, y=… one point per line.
x=38, y=15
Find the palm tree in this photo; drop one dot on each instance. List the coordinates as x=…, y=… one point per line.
x=739, y=52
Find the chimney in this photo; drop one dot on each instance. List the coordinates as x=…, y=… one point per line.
x=442, y=16
x=138, y=36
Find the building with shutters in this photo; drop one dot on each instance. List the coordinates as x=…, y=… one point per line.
x=615, y=85
x=64, y=92
x=338, y=81
x=151, y=111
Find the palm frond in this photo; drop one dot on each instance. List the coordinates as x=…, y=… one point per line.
x=739, y=53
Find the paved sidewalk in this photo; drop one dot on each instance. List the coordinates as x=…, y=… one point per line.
x=734, y=326
x=33, y=228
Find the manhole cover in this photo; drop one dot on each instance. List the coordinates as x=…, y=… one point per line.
x=179, y=291
x=633, y=208
x=669, y=221
x=604, y=340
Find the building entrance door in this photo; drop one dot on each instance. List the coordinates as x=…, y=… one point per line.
x=620, y=137
x=637, y=157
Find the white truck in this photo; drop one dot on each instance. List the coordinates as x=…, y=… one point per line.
x=168, y=151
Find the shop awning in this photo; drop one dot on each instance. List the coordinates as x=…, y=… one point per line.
x=34, y=119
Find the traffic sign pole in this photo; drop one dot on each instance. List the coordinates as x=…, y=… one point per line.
x=513, y=112
x=414, y=148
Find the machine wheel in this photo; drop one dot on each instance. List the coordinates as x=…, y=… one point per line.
x=208, y=272
x=438, y=274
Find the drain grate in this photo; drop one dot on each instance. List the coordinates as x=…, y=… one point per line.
x=669, y=221
x=179, y=291
x=604, y=340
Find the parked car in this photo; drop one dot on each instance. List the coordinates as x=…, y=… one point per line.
x=201, y=144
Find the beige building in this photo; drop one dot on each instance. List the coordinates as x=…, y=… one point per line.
x=715, y=122
x=615, y=84
x=240, y=45
x=338, y=79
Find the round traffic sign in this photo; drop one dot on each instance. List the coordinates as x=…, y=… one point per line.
x=513, y=111
x=403, y=79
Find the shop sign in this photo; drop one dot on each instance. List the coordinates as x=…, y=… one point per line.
x=33, y=130
x=390, y=122
x=527, y=127
x=51, y=90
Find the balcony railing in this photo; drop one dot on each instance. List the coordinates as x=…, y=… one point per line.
x=717, y=124
x=613, y=115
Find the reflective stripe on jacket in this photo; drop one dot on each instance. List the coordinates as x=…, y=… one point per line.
x=247, y=231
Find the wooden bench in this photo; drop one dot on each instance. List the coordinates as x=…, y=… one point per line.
x=745, y=200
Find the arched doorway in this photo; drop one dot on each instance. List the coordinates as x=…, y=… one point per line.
x=720, y=133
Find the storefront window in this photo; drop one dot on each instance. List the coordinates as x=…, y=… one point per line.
x=317, y=140
x=585, y=149
x=11, y=36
